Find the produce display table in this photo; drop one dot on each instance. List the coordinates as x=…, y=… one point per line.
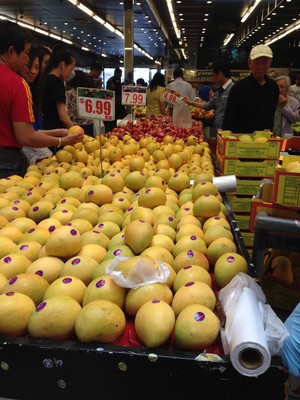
x=46, y=369
x=49, y=369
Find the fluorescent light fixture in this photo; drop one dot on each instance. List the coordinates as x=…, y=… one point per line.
x=103, y=55
x=173, y=19
x=38, y=30
x=85, y=9
x=73, y=2
x=127, y=48
x=85, y=48
x=286, y=31
x=67, y=41
x=55, y=36
x=119, y=33
x=228, y=38
x=25, y=25
x=98, y=19
x=110, y=27
x=250, y=10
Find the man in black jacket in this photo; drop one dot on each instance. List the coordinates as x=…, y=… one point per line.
x=253, y=100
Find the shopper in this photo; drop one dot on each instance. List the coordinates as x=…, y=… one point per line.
x=287, y=111
x=141, y=82
x=94, y=76
x=295, y=89
x=115, y=83
x=16, y=113
x=204, y=91
x=221, y=76
x=80, y=80
x=31, y=73
x=58, y=70
x=181, y=113
x=44, y=56
x=155, y=102
x=253, y=100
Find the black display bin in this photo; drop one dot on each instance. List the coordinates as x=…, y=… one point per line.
x=38, y=369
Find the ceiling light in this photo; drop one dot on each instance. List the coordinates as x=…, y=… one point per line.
x=85, y=9
x=228, y=38
x=250, y=10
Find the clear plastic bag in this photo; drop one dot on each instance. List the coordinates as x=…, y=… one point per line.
x=143, y=273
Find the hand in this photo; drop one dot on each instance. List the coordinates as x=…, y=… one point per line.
x=282, y=100
x=187, y=100
x=72, y=139
x=61, y=132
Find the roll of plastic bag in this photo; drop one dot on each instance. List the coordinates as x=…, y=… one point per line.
x=253, y=332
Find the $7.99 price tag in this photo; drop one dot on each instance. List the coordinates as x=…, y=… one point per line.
x=96, y=104
x=134, y=95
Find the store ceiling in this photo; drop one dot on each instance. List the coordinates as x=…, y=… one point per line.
x=203, y=25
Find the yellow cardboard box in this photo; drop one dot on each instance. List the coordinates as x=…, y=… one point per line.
x=259, y=168
x=232, y=147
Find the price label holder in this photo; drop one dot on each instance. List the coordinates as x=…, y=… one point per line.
x=96, y=104
x=134, y=95
x=171, y=96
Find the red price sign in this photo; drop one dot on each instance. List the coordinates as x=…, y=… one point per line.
x=134, y=95
x=96, y=104
x=170, y=96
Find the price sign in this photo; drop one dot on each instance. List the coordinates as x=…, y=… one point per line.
x=96, y=104
x=171, y=96
x=134, y=95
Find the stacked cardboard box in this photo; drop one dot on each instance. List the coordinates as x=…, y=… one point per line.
x=250, y=158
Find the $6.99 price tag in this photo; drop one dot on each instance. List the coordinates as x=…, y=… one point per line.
x=95, y=104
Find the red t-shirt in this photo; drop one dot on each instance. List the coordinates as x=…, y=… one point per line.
x=15, y=105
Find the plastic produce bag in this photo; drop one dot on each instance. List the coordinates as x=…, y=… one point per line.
x=35, y=155
x=142, y=273
x=290, y=351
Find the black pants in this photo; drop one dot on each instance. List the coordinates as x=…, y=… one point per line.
x=12, y=162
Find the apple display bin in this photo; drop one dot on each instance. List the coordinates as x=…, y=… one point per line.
x=45, y=369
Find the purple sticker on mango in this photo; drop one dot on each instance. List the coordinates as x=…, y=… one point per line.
x=41, y=306
x=155, y=301
x=12, y=280
x=117, y=252
x=76, y=261
x=230, y=259
x=189, y=284
x=100, y=283
x=67, y=280
x=24, y=247
x=199, y=316
x=9, y=293
x=187, y=267
x=190, y=253
x=39, y=272
x=193, y=237
x=73, y=232
x=7, y=260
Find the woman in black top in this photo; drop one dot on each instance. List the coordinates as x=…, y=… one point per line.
x=58, y=70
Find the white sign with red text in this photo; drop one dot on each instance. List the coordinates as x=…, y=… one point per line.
x=134, y=95
x=96, y=103
x=171, y=96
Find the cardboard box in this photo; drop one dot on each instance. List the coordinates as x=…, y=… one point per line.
x=248, y=237
x=260, y=168
x=286, y=188
x=291, y=144
x=242, y=220
x=271, y=209
x=279, y=296
x=248, y=185
x=239, y=203
x=232, y=147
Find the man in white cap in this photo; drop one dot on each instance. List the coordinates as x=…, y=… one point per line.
x=253, y=100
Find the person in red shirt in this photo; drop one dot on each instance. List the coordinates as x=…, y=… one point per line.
x=16, y=113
